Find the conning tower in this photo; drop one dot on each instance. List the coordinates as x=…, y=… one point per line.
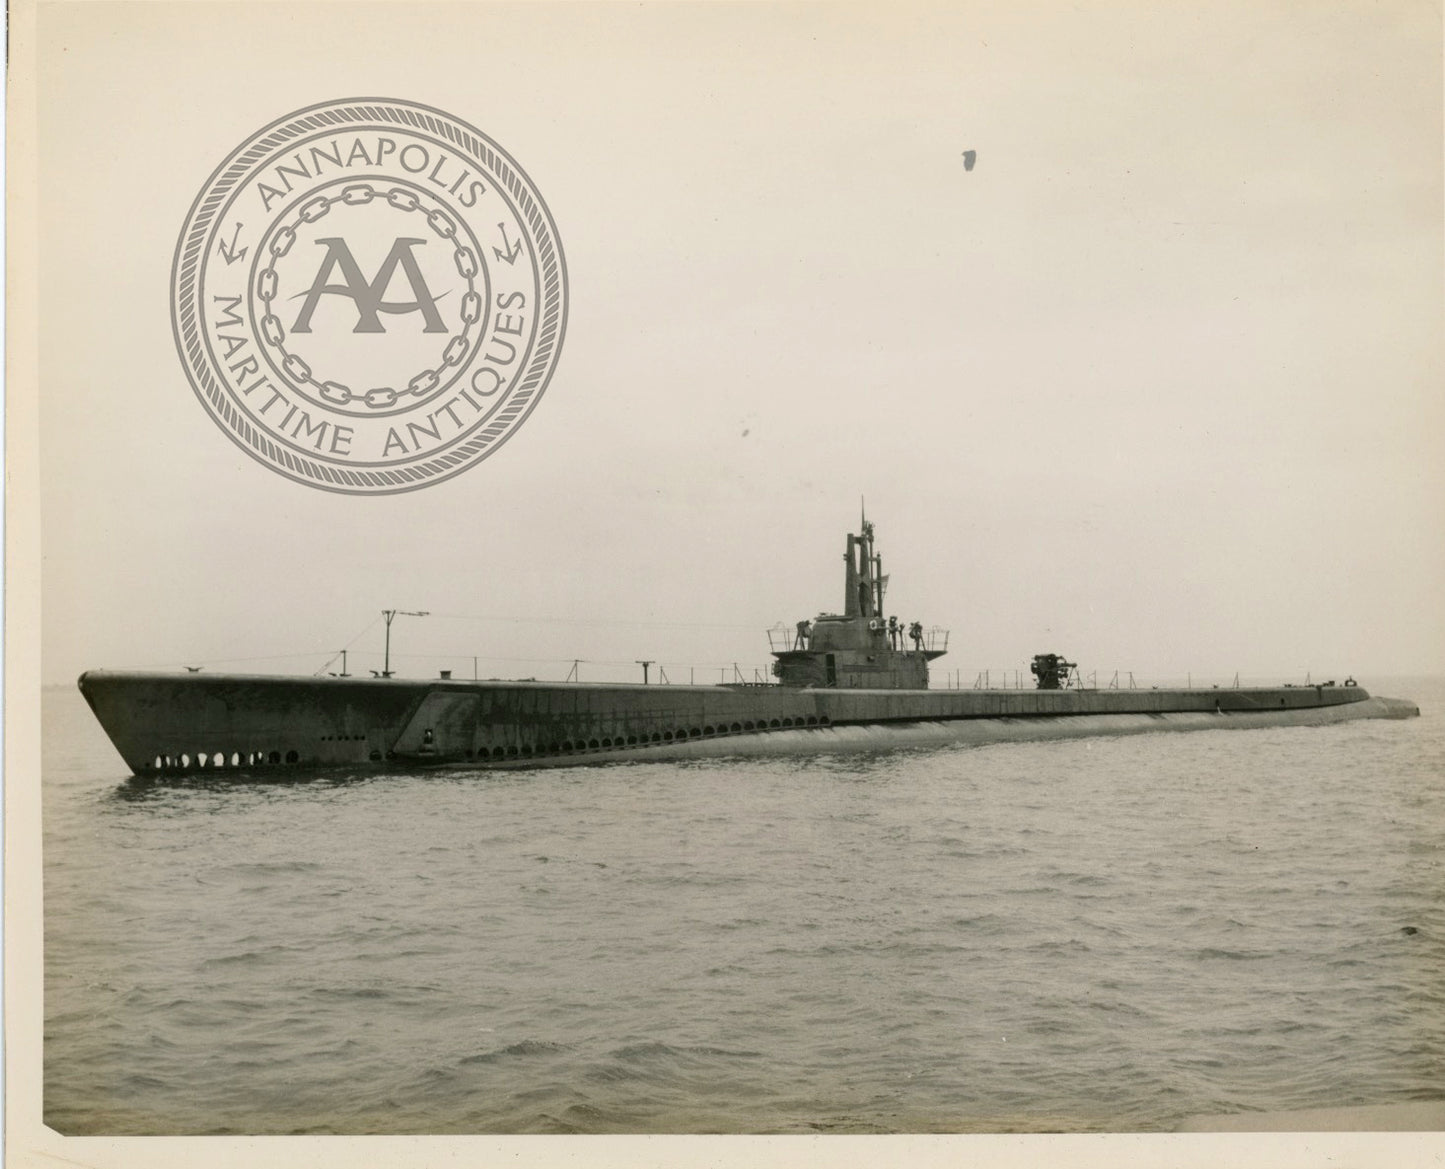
x=861, y=647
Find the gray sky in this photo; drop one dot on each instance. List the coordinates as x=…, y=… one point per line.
x=1157, y=384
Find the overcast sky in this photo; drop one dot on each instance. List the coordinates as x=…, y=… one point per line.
x=1157, y=384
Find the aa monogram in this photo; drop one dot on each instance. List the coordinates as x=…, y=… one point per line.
x=369, y=296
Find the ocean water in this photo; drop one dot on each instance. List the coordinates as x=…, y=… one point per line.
x=1070, y=936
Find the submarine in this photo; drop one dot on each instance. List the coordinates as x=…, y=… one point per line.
x=849, y=681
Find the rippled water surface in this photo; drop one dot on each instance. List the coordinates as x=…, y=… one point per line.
x=1105, y=934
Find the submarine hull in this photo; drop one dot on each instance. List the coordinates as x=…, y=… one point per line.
x=163, y=723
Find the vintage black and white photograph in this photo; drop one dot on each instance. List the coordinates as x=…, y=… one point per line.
x=799, y=570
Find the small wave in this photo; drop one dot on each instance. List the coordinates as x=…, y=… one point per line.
x=588, y=1118
x=525, y=1048
x=269, y=868
x=246, y=958
x=1071, y=945
x=991, y=921
x=139, y=1082
x=345, y=993
x=739, y=923
x=724, y=1052
x=1233, y=955
x=850, y=1124
x=647, y=1052
x=639, y=1052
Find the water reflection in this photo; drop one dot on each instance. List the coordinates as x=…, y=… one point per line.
x=143, y=788
x=140, y=788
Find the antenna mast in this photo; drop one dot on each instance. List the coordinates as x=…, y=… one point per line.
x=391, y=615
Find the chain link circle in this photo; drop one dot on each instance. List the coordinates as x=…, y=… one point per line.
x=357, y=195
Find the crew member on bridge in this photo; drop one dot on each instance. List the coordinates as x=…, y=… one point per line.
x=805, y=631
x=893, y=632
x=915, y=631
